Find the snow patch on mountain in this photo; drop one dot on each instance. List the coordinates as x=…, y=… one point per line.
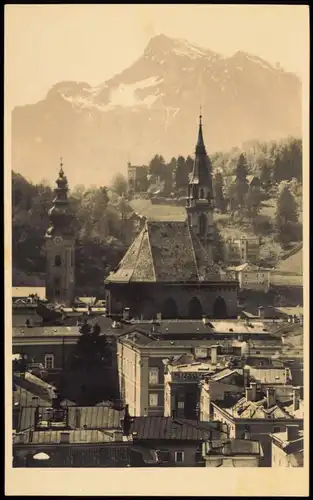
x=125, y=94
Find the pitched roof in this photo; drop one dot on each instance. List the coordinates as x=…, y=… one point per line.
x=166, y=251
x=258, y=410
x=94, y=417
x=235, y=447
x=24, y=397
x=75, y=436
x=169, y=428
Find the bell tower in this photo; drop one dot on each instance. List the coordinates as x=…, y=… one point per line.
x=199, y=205
x=60, y=247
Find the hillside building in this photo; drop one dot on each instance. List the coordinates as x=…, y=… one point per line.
x=241, y=250
x=251, y=276
x=137, y=178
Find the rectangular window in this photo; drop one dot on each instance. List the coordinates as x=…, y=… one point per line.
x=276, y=429
x=181, y=405
x=179, y=457
x=153, y=399
x=49, y=361
x=153, y=376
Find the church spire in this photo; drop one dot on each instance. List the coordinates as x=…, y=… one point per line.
x=201, y=172
x=59, y=213
x=200, y=147
x=199, y=204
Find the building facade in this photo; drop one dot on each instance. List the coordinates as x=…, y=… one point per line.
x=241, y=250
x=288, y=448
x=60, y=247
x=252, y=277
x=137, y=178
x=145, y=352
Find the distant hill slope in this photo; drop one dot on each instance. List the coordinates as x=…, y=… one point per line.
x=152, y=107
x=292, y=265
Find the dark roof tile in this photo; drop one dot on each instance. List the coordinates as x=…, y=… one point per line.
x=167, y=251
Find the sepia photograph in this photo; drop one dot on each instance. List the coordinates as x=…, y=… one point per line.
x=156, y=247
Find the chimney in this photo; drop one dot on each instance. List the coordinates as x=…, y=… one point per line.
x=206, y=448
x=271, y=397
x=126, y=422
x=65, y=437
x=126, y=313
x=159, y=316
x=292, y=432
x=246, y=374
x=248, y=393
x=296, y=398
x=253, y=391
x=247, y=434
x=214, y=354
x=261, y=312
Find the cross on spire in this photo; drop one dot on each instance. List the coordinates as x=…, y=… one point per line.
x=61, y=173
x=200, y=116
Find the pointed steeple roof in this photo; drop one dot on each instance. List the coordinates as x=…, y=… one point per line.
x=59, y=213
x=201, y=172
x=200, y=147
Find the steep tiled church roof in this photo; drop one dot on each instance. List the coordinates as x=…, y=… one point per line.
x=166, y=251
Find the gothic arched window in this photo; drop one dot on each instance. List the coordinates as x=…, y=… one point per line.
x=195, y=192
x=169, y=310
x=202, y=224
x=219, y=308
x=195, y=309
x=57, y=261
x=201, y=193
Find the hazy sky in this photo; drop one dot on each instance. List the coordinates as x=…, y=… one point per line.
x=45, y=44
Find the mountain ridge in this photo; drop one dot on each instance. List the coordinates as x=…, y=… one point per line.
x=149, y=107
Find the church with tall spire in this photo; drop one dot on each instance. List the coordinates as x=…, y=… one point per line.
x=60, y=246
x=168, y=271
x=199, y=204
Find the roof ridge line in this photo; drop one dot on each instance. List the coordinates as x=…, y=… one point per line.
x=193, y=249
x=138, y=251
x=151, y=253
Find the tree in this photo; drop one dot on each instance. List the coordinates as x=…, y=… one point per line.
x=119, y=185
x=253, y=201
x=286, y=213
x=181, y=173
x=86, y=376
x=241, y=182
x=157, y=167
x=218, y=185
x=265, y=174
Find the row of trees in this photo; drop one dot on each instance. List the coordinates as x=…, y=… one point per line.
x=273, y=162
